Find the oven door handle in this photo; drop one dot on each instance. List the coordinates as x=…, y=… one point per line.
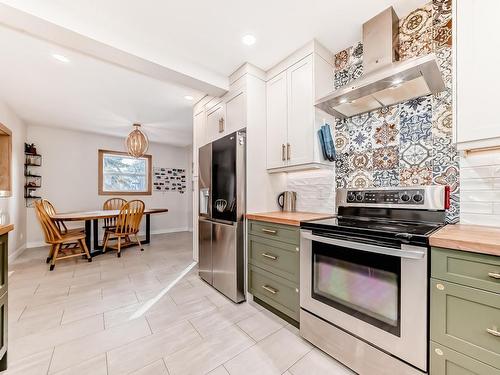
x=409, y=254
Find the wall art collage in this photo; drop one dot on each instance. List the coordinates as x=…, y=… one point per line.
x=410, y=143
x=169, y=179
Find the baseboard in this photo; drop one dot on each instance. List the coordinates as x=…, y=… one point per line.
x=17, y=253
x=157, y=231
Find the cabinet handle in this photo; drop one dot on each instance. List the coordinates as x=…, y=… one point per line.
x=269, y=289
x=266, y=255
x=221, y=125
x=493, y=332
x=494, y=275
x=288, y=151
x=270, y=231
x=283, y=157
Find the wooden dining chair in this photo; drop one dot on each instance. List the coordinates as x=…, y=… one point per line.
x=51, y=211
x=111, y=204
x=127, y=225
x=62, y=245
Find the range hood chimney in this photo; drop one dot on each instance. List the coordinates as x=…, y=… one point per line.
x=385, y=80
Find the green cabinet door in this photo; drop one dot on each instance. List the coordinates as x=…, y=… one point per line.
x=470, y=269
x=4, y=257
x=278, y=232
x=445, y=361
x=466, y=320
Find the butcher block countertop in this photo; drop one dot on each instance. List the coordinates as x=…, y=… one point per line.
x=287, y=218
x=6, y=228
x=474, y=238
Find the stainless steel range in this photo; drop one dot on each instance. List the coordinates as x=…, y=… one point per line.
x=364, y=278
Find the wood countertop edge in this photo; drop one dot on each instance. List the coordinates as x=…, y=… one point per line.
x=6, y=228
x=284, y=217
x=449, y=237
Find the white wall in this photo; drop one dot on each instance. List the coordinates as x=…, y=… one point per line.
x=480, y=188
x=13, y=207
x=70, y=174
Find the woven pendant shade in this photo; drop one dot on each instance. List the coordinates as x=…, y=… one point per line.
x=137, y=142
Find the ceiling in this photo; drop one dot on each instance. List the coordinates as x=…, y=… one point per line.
x=208, y=33
x=204, y=36
x=89, y=94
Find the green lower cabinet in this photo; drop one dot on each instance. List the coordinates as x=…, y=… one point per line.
x=445, y=361
x=273, y=266
x=276, y=291
x=465, y=313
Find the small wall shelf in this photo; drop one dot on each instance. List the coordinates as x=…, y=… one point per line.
x=32, y=181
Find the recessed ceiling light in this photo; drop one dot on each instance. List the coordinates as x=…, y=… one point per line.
x=397, y=81
x=188, y=97
x=248, y=39
x=60, y=58
x=343, y=100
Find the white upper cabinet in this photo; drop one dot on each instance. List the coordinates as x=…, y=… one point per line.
x=292, y=118
x=477, y=79
x=236, y=112
x=215, y=122
x=276, y=91
x=300, y=112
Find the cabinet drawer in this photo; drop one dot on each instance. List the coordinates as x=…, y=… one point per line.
x=466, y=320
x=284, y=233
x=276, y=291
x=4, y=256
x=444, y=361
x=277, y=257
x=470, y=269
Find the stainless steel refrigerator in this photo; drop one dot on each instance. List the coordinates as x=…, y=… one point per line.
x=222, y=206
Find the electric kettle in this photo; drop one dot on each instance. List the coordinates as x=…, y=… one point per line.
x=288, y=201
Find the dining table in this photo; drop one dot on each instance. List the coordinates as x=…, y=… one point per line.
x=91, y=219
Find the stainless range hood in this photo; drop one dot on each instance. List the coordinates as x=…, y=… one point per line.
x=385, y=81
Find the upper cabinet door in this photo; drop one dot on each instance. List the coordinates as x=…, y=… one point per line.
x=200, y=129
x=277, y=120
x=477, y=76
x=236, y=118
x=216, y=122
x=300, y=112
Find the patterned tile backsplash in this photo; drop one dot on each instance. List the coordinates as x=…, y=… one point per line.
x=409, y=143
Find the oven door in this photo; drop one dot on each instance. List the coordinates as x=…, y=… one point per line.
x=373, y=291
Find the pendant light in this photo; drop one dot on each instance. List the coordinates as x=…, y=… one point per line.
x=137, y=142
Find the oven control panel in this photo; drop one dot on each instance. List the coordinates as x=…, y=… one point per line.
x=408, y=196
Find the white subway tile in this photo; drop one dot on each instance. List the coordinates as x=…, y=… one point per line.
x=478, y=172
x=477, y=184
x=480, y=195
x=496, y=208
x=476, y=207
x=478, y=219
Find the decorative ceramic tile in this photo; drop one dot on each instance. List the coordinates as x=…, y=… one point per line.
x=442, y=35
x=415, y=128
x=389, y=114
x=385, y=158
x=355, y=71
x=360, y=128
x=341, y=78
x=415, y=33
x=386, y=178
x=445, y=152
x=417, y=106
x=444, y=56
x=360, y=161
x=341, y=141
x=442, y=119
x=340, y=124
x=343, y=59
x=386, y=134
x=360, y=180
x=341, y=182
x=415, y=176
x=442, y=11
x=416, y=154
x=453, y=213
x=447, y=175
x=357, y=53
x=342, y=164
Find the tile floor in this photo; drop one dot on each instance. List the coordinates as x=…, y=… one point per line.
x=144, y=313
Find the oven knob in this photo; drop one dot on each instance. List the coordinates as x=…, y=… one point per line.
x=418, y=198
x=351, y=197
x=405, y=197
x=359, y=197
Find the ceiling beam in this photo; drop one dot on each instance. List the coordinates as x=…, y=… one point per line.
x=192, y=76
